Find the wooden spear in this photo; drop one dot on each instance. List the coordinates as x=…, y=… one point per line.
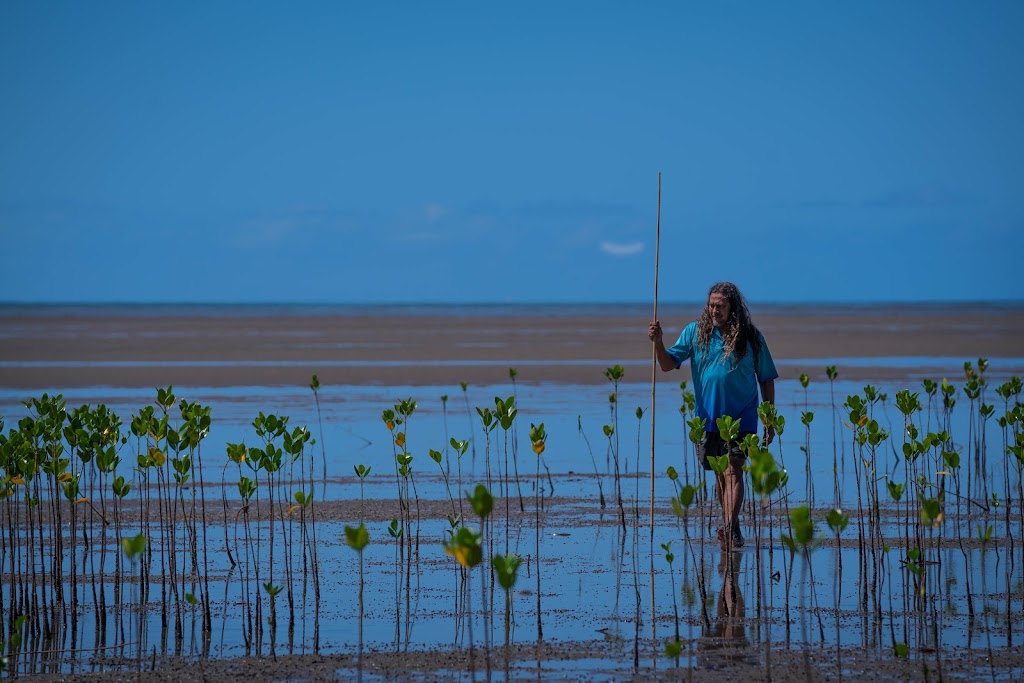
x=654, y=377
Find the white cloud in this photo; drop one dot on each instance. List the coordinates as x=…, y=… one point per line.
x=435, y=211
x=617, y=249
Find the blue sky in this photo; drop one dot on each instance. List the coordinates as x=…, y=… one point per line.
x=490, y=152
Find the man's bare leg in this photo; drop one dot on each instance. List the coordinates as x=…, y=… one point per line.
x=734, y=494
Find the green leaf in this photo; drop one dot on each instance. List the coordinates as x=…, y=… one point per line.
x=465, y=547
x=131, y=547
x=837, y=520
x=686, y=495
x=481, y=501
x=719, y=463
x=505, y=568
x=357, y=537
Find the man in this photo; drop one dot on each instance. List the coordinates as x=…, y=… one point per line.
x=729, y=361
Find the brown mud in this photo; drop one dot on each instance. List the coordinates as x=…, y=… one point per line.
x=241, y=349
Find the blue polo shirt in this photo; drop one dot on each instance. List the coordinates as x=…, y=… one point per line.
x=721, y=385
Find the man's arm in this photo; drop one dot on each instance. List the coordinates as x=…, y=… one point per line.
x=768, y=394
x=666, y=361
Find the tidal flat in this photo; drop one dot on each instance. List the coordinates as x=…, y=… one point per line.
x=925, y=577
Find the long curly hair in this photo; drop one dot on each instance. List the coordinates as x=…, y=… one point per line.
x=739, y=333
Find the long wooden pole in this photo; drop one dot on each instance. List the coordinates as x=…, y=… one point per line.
x=654, y=377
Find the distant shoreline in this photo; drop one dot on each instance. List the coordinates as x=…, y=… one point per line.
x=209, y=345
x=481, y=308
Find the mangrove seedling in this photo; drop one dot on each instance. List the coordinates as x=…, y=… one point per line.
x=538, y=439
x=465, y=547
x=132, y=548
x=357, y=538
x=505, y=568
x=362, y=472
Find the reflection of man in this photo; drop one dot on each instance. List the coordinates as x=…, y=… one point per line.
x=731, y=609
x=729, y=361
x=727, y=639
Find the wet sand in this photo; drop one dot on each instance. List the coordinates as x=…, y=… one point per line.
x=726, y=652
x=137, y=347
x=42, y=349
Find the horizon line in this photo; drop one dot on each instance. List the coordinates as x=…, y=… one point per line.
x=988, y=301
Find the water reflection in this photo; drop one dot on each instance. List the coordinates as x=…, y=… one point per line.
x=725, y=641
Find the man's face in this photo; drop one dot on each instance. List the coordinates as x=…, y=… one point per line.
x=718, y=306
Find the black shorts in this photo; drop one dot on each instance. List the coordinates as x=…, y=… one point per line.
x=714, y=445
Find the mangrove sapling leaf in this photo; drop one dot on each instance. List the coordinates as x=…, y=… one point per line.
x=406, y=407
x=950, y=459
x=719, y=463
x=728, y=428
x=481, y=501
x=673, y=648
x=837, y=521
x=895, y=490
x=750, y=444
x=912, y=561
x=985, y=536
x=615, y=373
x=686, y=495
x=538, y=437
x=683, y=501
x=901, y=650
x=357, y=537
x=697, y=433
x=803, y=529
x=465, y=547
x=133, y=547
x=486, y=419
x=765, y=475
x=395, y=529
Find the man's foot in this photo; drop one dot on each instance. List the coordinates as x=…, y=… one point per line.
x=723, y=540
x=730, y=541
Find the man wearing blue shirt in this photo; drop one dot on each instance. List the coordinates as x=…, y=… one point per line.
x=730, y=363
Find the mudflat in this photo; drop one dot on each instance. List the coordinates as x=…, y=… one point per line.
x=135, y=346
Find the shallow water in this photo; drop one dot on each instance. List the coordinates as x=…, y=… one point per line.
x=592, y=573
